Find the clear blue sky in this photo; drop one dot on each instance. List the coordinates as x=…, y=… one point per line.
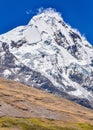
x=78, y=13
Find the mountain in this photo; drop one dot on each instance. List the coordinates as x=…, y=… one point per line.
x=49, y=54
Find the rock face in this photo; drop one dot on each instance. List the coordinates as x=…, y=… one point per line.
x=50, y=55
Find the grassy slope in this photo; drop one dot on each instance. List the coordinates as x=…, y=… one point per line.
x=40, y=124
x=39, y=110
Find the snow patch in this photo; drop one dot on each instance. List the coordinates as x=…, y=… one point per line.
x=6, y=73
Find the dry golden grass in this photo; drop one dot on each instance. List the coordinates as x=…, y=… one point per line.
x=7, y=123
x=18, y=100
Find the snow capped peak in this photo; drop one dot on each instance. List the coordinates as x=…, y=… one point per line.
x=49, y=54
x=47, y=14
x=50, y=12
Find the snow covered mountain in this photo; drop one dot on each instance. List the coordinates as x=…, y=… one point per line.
x=49, y=54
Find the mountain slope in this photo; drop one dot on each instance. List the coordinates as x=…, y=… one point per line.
x=48, y=54
x=18, y=100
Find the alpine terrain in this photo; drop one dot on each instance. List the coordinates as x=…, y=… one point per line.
x=27, y=108
x=49, y=54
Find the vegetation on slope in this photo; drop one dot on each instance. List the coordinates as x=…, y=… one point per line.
x=26, y=108
x=40, y=124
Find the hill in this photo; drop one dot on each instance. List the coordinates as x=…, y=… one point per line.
x=20, y=104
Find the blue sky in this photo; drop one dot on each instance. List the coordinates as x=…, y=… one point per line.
x=78, y=13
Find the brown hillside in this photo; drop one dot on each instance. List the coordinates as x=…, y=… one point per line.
x=18, y=100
